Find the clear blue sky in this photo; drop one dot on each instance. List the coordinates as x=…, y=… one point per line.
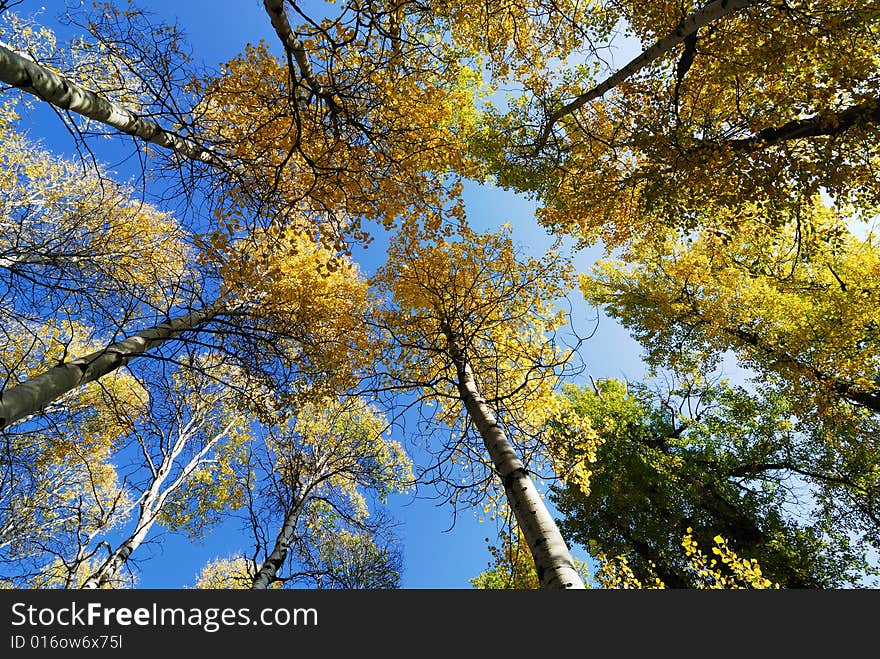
x=435, y=557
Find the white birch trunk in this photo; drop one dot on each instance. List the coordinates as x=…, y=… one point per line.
x=275, y=9
x=10, y=263
x=31, y=396
x=23, y=73
x=690, y=25
x=553, y=561
x=154, y=499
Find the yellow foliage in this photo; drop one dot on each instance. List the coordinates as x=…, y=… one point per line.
x=573, y=447
x=75, y=573
x=345, y=446
x=733, y=572
x=70, y=490
x=54, y=214
x=308, y=296
x=94, y=65
x=744, y=573
x=516, y=38
x=796, y=296
x=113, y=403
x=212, y=488
x=716, y=128
x=371, y=159
x=615, y=573
x=499, y=305
x=74, y=457
x=234, y=573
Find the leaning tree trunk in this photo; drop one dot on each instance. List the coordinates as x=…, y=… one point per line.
x=688, y=27
x=23, y=73
x=270, y=567
x=33, y=395
x=553, y=561
x=111, y=567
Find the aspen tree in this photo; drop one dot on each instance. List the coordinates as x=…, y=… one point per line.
x=469, y=324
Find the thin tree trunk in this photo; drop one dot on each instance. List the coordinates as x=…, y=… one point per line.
x=23, y=73
x=270, y=567
x=155, y=496
x=275, y=9
x=553, y=561
x=688, y=27
x=33, y=395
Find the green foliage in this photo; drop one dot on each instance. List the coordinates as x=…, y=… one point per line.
x=710, y=458
x=794, y=299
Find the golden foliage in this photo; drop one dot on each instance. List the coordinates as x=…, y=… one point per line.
x=732, y=572
x=59, y=217
x=234, y=573
x=774, y=103
x=573, y=445
x=307, y=299
x=795, y=296
x=338, y=448
x=385, y=159
x=498, y=304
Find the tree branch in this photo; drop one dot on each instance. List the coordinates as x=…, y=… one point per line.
x=820, y=125
x=295, y=47
x=713, y=11
x=23, y=73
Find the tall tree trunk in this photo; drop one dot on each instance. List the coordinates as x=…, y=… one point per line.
x=31, y=396
x=20, y=71
x=688, y=27
x=553, y=561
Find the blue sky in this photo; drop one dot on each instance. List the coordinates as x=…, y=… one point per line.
x=435, y=555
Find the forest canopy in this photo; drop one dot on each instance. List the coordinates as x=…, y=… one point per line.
x=254, y=298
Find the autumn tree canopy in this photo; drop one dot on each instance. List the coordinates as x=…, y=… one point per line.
x=237, y=292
